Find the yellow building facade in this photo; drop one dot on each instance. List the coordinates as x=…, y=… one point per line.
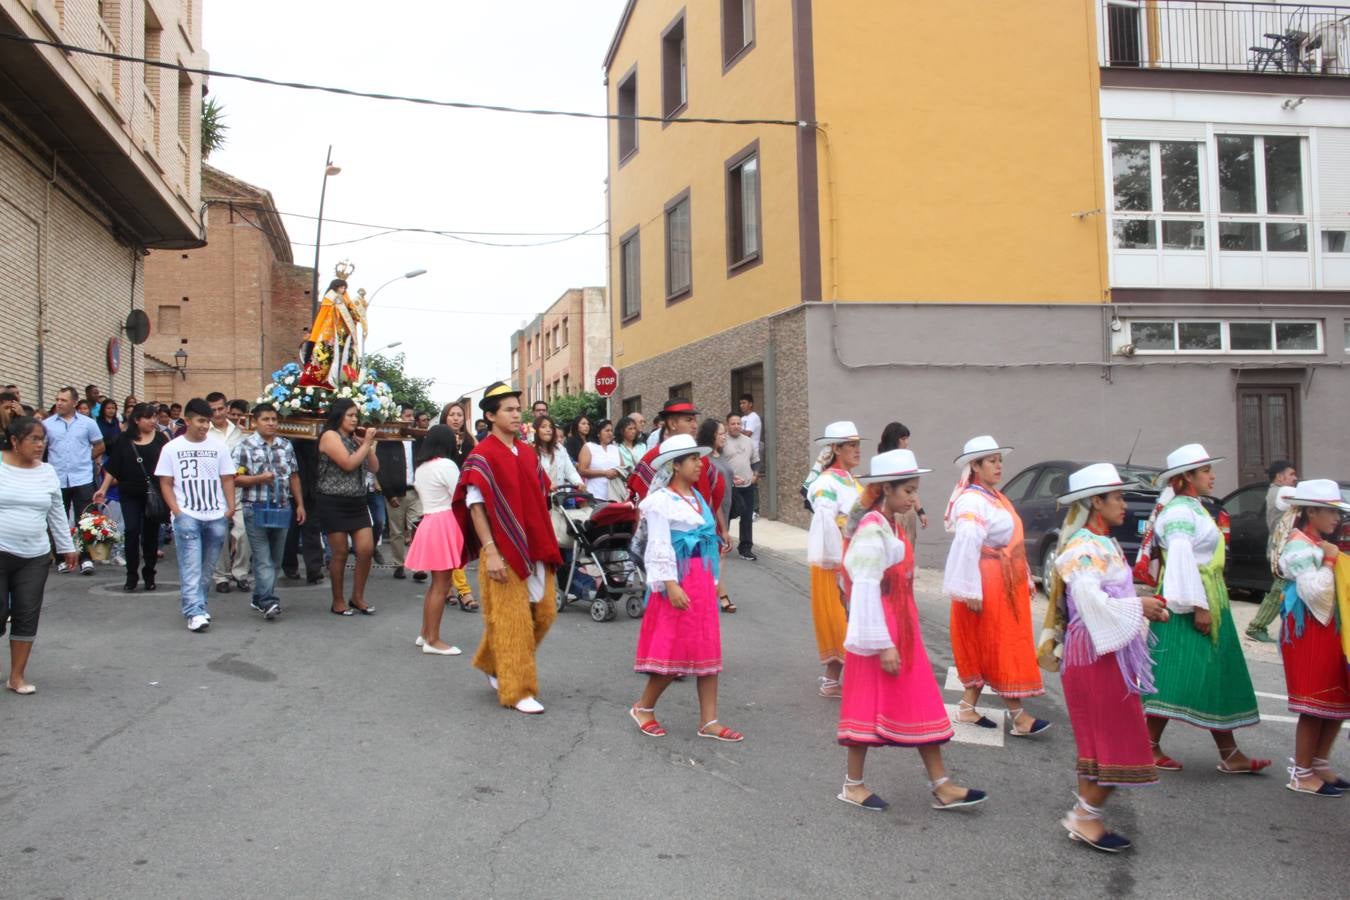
x=937, y=231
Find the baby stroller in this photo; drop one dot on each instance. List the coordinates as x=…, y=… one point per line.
x=600, y=538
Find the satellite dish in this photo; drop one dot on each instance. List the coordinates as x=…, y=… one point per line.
x=138, y=326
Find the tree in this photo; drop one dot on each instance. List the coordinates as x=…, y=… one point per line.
x=416, y=392
x=570, y=407
x=213, y=127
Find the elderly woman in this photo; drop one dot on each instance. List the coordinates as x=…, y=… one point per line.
x=1106, y=665
x=30, y=508
x=831, y=494
x=1201, y=674
x=1313, y=642
x=680, y=632
x=990, y=586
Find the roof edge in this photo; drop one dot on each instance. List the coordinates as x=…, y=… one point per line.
x=618, y=33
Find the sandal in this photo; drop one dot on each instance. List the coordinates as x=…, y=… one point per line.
x=727, y=605
x=971, y=798
x=722, y=734
x=1297, y=773
x=1323, y=768
x=1037, y=725
x=467, y=603
x=1109, y=842
x=366, y=610
x=829, y=687
x=983, y=721
x=341, y=612
x=871, y=801
x=1162, y=762
x=650, y=729
x=1254, y=766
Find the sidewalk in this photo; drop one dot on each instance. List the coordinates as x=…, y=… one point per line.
x=789, y=541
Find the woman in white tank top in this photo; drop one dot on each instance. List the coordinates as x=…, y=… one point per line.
x=600, y=462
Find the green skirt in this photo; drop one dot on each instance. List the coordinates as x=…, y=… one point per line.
x=1199, y=680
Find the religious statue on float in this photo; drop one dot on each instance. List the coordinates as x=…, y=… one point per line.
x=332, y=354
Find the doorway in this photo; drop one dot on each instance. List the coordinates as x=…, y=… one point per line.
x=1268, y=428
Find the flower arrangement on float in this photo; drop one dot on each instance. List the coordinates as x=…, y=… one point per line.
x=373, y=397
x=96, y=533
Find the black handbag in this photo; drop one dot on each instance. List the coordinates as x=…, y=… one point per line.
x=156, y=510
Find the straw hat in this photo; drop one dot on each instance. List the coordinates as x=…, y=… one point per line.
x=1319, y=492
x=839, y=433
x=979, y=448
x=893, y=465
x=1089, y=481
x=673, y=448
x=1186, y=459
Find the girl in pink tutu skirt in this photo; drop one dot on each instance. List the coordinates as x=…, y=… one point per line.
x=890, y=697
x=438, y=545
x=681, y=633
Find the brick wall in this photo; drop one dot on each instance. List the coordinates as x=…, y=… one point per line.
x=57, y=248
x=779, y=343
x=290, y=317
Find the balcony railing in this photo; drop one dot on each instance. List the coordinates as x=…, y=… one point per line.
x=1209, y=35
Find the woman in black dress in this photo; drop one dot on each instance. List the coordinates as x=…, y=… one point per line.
x=130, y=465
x=346, y=453
x=454, y=415
x=577, y=436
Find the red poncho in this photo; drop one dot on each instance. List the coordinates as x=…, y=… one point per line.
x=514, y=489
x=711, y=485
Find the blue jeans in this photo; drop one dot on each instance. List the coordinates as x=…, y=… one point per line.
x=582, y=584
x=268, y=545
x=378, y=516
x=198, y=545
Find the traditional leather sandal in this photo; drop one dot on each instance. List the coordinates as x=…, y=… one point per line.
x=650, y=729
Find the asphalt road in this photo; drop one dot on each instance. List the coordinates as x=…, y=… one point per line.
x=320, y=756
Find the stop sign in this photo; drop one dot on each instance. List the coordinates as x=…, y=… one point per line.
x=606, y=381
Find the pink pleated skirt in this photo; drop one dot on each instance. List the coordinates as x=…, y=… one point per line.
x=682, y=641
x=438, y=545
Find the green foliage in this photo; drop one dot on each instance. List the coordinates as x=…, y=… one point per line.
x=414, y=391
x=572, y=406
x=213, y=127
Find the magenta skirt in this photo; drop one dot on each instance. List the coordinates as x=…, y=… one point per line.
x=682, y=641
x=1108, y=722
x=438, y=545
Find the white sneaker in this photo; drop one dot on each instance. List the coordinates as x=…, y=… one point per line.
x=62, y=569
x=86, y=568
x=530, y=706
x=198, y=624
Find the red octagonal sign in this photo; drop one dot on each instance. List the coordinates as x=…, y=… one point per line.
x=606, y=381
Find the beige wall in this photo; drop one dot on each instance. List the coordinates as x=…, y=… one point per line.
x=671, y=158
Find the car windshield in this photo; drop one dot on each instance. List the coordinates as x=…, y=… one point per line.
x=1140, y=474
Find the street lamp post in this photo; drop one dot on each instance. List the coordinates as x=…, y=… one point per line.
x=329, y=169
x=413, y=274
x=389, y=346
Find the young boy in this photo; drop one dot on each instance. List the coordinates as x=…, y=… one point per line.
x=267, y=472
x=196, y=477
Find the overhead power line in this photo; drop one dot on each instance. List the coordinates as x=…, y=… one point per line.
x=375, y=95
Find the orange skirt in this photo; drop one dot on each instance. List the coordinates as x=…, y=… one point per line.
x=994, y=647
x=827, y=612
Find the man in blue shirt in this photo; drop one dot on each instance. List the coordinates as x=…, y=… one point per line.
x=74, y=442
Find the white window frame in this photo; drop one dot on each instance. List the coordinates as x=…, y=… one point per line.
x=1225, y=345
x=1156, y=215
x=1262, y=219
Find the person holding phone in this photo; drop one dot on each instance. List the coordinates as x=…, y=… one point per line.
x=346, y=454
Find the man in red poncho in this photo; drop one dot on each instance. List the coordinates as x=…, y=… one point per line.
x=680, y=417
x=502, y=509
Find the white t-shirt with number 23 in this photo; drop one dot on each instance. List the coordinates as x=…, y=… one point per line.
x=196, y=467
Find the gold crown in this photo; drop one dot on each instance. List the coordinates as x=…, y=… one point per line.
x=345, y=269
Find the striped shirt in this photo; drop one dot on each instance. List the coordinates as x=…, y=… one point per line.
x=196, y=468
x=30, y=506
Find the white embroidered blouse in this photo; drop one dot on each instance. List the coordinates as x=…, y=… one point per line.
x=1189, y=538
x=977, y=521
x=1301, y=563
x=1088, y=562
x=832, y=496
x=873, y=549
x=666, y=511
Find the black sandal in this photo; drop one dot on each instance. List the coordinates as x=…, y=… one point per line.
x=467, y=603
x=341, y=612
x=366, y=610
x=727, y=605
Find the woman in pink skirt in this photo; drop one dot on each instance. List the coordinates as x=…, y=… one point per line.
x=681, y=633
x=438, y=545
x=1106, y=663
x=890, y=697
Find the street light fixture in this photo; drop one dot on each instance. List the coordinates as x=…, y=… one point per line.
x=413, y=274
x=329, y=169
x=389, y=346
x=180, y=362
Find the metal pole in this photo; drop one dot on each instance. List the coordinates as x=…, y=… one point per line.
x=318, y=239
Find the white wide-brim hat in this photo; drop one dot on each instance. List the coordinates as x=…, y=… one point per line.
x=1321, y=492
x=839, y=433
x=1089, y=481
x=979, y=448
x=1283, y=496
x=893, y=465
x=1185, y=459
x=673, y=448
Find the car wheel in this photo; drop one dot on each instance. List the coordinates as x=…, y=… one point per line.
x=1048, y=562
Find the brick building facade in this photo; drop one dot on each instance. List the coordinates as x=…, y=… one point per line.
x=559, y=352
x=239, y=307
x=99, y=162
